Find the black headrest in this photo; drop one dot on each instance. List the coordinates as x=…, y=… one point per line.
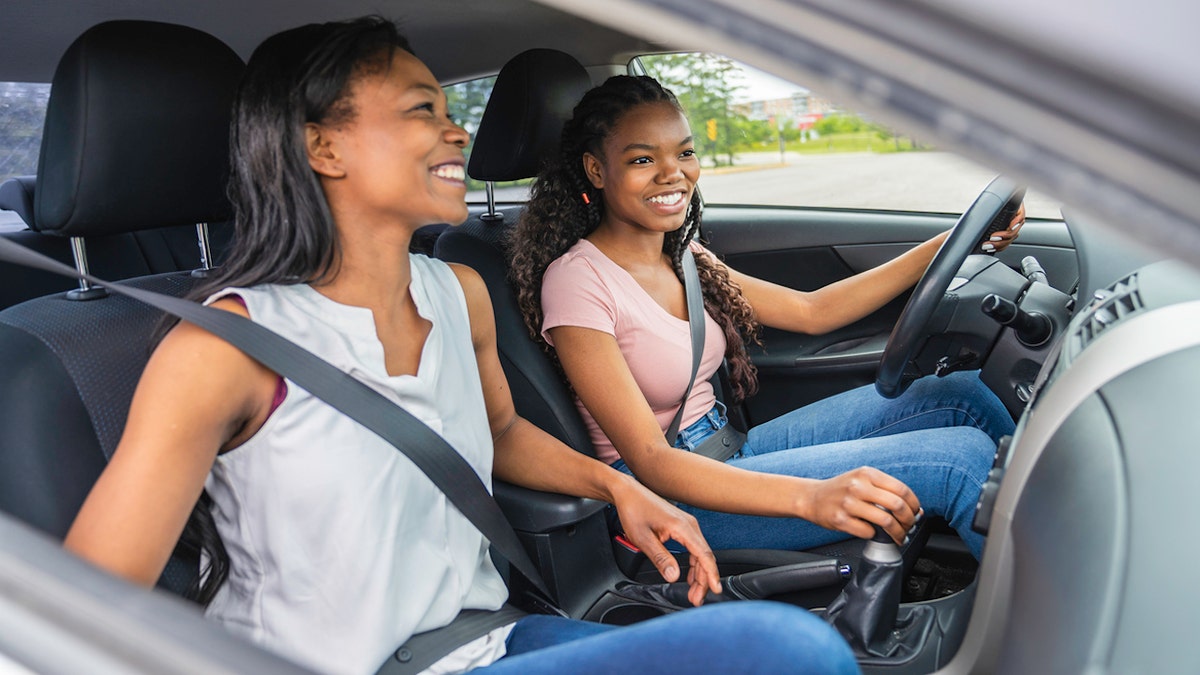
x=16, y=194
x=137, y=131
x=534, y=95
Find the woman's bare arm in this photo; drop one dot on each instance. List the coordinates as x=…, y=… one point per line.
x=196, y=396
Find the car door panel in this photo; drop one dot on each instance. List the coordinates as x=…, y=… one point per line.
x=810, y=248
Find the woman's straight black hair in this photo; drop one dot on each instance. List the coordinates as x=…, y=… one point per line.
x=283, y=230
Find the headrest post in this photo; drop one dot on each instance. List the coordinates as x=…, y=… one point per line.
x=490, y=186
x=491, y=217
x=85, y=291
x=205, y=251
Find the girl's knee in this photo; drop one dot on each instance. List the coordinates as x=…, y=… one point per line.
x=966, y=381
x=965, y=450
x=973, y=452
x=960, y=387
x=979, y=444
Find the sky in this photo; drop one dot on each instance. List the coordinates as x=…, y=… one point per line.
x=762, y=86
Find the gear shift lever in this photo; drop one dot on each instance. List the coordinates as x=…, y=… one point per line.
x=865, y=612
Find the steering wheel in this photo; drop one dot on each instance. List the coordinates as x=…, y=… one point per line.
x=894, y=375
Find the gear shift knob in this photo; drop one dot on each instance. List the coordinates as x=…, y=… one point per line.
x=881, y=548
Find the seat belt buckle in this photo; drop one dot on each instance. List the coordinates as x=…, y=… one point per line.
x=533, y=602
x=628, y=545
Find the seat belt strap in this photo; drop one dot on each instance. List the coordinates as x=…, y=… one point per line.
x=452, y=474
x=425, y=649
x=695, y=307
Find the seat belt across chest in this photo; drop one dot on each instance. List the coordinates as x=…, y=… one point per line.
x=436, y=458
x=695, y=307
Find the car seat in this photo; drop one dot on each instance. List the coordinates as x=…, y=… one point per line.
x=16, y=194
x=113, y=257
x=136, y=137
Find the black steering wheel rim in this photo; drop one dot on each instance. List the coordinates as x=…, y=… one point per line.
x=894, y=376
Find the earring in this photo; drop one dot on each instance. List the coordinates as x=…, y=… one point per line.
x=586, y=200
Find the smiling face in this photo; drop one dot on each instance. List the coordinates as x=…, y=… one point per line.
x=399, y=159
x=647, y=169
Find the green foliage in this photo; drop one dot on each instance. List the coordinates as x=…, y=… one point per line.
x=22, y=112
x=843, y=124
x=851, y=133
x=466, y=102
x=754, y=132
x=706, y=85
x=869, y=141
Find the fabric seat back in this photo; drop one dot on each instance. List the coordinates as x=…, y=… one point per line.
x=136, y=137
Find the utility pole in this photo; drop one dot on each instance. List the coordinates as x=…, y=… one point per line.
x=779, y=131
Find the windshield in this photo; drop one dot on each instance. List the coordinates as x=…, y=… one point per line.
x=764, y=140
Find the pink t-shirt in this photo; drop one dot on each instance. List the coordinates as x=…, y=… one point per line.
x=584, y=288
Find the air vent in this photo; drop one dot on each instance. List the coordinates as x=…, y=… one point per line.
x=1107, y=308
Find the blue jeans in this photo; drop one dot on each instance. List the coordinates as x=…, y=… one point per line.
x=938, y=438
x=730, y=637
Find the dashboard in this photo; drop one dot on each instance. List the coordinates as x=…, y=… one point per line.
x=1090, y=514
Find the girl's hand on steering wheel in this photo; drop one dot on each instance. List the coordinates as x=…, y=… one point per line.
x=1002, y=238
x=853, y=501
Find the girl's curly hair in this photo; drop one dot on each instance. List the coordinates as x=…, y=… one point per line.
x=557, y=216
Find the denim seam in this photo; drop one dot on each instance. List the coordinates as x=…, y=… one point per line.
x=953, y=468
x=878, y=432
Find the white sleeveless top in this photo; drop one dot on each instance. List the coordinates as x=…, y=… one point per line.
x=340, y=548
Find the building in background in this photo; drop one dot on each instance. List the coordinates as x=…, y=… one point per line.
x=799, y=111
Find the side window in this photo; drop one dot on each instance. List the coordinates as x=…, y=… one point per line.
x=767, y=141
x=467, y=101
x=22, y=112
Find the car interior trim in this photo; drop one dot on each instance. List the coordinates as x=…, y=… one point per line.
x=59, y=614
x=1156, y=333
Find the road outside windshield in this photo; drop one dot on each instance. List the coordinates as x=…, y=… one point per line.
x=927, y=181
